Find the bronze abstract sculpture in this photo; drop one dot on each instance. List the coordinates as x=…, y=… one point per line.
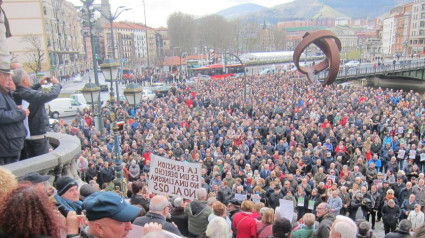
x=330, y=45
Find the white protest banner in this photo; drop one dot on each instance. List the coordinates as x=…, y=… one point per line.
x=174, y=178
x=286, y=209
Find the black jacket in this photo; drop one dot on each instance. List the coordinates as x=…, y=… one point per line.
x=12, y=130
x=398, y=234
x=325, y=224
x=180, y=219
x=38, y=120
x=107, y=175
x=390, y=215
x=154, y=217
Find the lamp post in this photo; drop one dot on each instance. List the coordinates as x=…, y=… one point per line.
x=406, y=50
x=133, y=93
x=110, y=72
x=244, y=73
x=181, y=56
x=88, y=5
x=146, y=32
x=91, y=93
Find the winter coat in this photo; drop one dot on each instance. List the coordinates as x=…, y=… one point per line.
x=197, y=212
x=390, y=215
x=245, y=225
x=157, y=218
x=12, y=130
x=416, y=218
x=38, y=121
x=180, y=219
x=324, y=227
x=304, y=232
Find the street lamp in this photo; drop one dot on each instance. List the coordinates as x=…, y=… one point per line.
x=110, y=72
x=91, y=92
x=111, y=18
x=406, y=50
x=182, y=54
x=88, y=10
x=133, y=93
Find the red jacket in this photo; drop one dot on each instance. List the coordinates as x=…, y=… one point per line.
x=245, y=225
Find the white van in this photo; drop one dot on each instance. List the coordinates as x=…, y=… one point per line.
x=79, y=97
x=63, y=107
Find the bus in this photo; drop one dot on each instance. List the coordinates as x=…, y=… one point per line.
x=217, y=71
x=127, y=74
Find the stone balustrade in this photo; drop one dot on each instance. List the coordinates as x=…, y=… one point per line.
x=59, y=162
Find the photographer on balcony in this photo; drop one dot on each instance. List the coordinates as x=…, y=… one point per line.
x=38, y=121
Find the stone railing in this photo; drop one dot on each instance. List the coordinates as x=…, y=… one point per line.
x=59, y=162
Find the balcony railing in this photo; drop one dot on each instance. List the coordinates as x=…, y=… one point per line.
x=59, y=162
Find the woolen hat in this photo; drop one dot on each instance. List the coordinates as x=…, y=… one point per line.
x=64, y=184
x=109, y=205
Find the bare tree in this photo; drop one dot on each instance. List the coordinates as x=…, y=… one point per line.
x=181, y=30
x=35, y=56
x=215, y=32
x=279, y=38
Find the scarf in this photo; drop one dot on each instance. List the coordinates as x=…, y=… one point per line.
x=70, y=205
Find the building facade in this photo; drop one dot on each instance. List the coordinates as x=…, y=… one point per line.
x=131, y=44
x=416, y=44
x=47, y=36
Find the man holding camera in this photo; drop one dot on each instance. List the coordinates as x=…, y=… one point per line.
x=38, y=121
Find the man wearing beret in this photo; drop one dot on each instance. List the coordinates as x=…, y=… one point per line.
x=108, y=215
x=38, y=180
x=68, y=197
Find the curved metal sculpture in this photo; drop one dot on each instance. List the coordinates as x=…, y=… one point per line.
x=330, y=45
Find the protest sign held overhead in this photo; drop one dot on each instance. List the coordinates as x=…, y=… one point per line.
x=174, y=178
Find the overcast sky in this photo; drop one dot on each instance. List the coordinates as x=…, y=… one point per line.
x=157, y=11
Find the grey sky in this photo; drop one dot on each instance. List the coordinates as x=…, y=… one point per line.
x=157, y=11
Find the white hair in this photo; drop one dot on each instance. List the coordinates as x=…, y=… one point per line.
x=345, y=227
x=217, y=228
x=201, y=194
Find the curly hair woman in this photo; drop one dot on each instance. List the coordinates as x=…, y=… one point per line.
x=27, y=212
x=7, y=182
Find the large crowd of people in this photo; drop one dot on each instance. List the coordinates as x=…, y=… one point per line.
x=351, y=151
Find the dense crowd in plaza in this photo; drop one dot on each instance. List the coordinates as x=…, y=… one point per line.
x=351, y=151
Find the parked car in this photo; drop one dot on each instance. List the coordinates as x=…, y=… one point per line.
x=352, y=63
x=158, y=85
x=63, y=107
x=103, y=88
x=77, y=79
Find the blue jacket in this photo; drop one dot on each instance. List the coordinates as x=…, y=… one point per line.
x=335, y=204
x=378, y=163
